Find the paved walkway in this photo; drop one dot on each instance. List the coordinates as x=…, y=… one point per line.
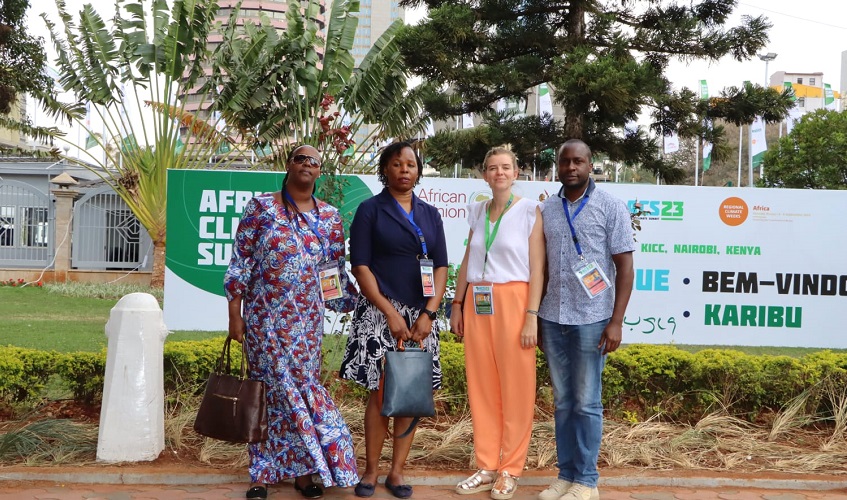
x=53, y=491
x=184, y=483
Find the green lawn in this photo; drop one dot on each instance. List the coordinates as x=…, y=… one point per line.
x=36, y=319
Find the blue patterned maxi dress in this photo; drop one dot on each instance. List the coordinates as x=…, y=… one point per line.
x=274, y=268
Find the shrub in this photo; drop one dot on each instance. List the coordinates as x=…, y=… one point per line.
x=454, y=384
x=84, y=374
x=188, y=364
x=24, y=373
x=639, y=382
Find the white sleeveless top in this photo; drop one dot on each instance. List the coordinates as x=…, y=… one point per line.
x=508, y=258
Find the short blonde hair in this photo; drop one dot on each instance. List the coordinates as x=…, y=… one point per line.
x=505, y=149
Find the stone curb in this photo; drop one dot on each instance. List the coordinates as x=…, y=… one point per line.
x=429, y=479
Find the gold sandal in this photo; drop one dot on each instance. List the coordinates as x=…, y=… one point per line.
x=505, y=486
x=481, y=480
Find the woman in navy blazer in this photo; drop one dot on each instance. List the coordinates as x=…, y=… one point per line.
x=390, y=235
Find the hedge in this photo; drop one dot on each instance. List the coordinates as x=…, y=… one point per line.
x=639, y=381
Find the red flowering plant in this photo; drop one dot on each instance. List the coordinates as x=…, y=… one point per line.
x=340, y=138
x=19, y=282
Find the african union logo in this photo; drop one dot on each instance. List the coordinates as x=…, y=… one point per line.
x=480, y=196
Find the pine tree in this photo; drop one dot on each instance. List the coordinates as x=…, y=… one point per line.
x=605, y=61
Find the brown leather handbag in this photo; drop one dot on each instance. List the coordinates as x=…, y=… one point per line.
x=234, y=408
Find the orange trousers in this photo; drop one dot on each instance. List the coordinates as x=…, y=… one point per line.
x=501, y=380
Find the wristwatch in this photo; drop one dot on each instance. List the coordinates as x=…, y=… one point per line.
x=429, y=313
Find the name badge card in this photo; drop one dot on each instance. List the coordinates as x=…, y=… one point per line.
x=483, y=299
x=592, y=278
x=428, y=277
x=330, y=281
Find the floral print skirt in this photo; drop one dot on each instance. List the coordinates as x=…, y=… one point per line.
x=370, y=339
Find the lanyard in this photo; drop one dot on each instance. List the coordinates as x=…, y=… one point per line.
x=312, y=225
x=571, y=219
x=489, y=234
x=411, y=218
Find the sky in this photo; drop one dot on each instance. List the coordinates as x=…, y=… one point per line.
x=807, y=36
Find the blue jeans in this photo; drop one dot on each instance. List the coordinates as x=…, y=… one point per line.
x=576, y=366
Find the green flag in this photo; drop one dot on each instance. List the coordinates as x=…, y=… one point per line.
x=223, y=148
x=704, y=90
x=90, y=141
x=707, y=149
x=707, y=156
x=128, y=143
x=180, y=146
x=263, y=151
x=828, y=97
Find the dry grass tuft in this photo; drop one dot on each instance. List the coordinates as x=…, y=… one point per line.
x=793, y=441
x=48, y=442
x=793, y=416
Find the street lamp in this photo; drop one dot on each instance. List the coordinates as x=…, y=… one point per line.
x=770, y=56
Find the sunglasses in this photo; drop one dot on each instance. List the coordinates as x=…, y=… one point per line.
x=301, y=159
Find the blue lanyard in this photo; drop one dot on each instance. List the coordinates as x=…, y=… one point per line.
x=312, y=226
x=411, y=218
x=571, y=219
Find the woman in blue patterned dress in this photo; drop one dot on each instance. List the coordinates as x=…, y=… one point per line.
x=276, y=305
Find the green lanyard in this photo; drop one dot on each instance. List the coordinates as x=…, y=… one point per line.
x=490, y=235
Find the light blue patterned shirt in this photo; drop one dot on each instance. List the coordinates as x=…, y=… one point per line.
x=603, y=229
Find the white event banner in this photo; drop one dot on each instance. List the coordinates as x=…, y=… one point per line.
x=714, y=266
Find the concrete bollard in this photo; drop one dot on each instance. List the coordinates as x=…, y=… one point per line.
x=132, y=415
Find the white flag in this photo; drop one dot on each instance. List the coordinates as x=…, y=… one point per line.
x=630, y=128
x=671, y=143
x=545, y=104
x=501, y=105
x=430, y=129
x=707, y=148
x=758, y=144
x=467, y=120
x=794, y=115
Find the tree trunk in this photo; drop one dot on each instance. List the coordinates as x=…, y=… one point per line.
x=157, y=279
x=576, y=38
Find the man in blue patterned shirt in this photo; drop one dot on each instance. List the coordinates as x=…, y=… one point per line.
x=590, y=274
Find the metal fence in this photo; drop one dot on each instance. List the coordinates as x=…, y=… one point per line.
x=26, y=226
x=107, y=236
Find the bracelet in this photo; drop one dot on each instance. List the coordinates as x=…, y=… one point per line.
x=532, y=311
x=459, y=302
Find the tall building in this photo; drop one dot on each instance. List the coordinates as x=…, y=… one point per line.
x=375, y=16
x=10, y=139
x=251, y=10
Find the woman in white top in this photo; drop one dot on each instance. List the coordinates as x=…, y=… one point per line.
x=498, y=291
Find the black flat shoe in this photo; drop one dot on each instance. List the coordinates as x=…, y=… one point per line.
x=364, y=490
x=399, y=490
x=310, y=491
x=258, y=492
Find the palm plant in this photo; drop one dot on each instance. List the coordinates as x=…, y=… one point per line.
x=298, y=86
x=148, y=55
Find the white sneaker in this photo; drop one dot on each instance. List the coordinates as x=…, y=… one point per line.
x=555, y=490
x=581, y=492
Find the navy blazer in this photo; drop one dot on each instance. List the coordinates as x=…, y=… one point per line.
x=382, y=238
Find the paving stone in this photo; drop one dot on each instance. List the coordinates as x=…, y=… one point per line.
x=653, y=495
x=741, y=495
x=783, y=496
x=703, y=494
